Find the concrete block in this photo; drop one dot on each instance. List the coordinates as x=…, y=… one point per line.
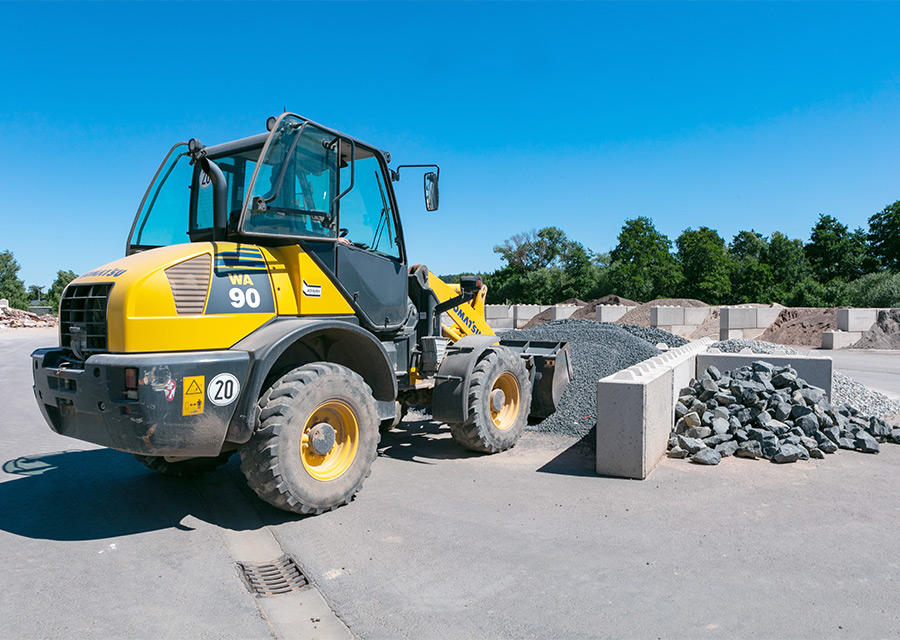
x=636, y=411
x=752, y=334
x=816, y=370
x=4, y=303
x=729, y=334
x=696, y=315
x=765, y=316
x=522, y=313
x=856, y=319
x=683, y=330
x=839, y=339
x=562, y=311
x=666, y=316
x=611, y=312
x=497, y=311
x=737, y=318
x=634, y=418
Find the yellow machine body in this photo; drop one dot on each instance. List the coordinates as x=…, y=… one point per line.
x=142, y=315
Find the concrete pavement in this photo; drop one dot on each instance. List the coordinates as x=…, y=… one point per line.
x=442, y=543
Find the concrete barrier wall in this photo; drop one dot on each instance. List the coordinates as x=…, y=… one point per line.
x=856, y=319
x=636, y=406
x=611, y=312
x=682, y=321
x=746, y=322
x=562, y=311
x=636, y=410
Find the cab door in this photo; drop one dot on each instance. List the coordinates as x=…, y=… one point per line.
x=371, y=262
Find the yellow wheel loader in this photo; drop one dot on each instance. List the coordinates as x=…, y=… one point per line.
x=265, y=305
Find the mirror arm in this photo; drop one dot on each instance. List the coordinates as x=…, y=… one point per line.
x=395, y=173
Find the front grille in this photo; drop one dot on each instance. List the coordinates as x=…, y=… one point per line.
x=82, y=316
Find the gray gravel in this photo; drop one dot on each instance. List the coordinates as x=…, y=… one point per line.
x=845, y=390
x=598, y=349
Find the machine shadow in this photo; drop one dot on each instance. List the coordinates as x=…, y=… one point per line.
x=422, y=440
x=102, y=493
x=577, y=460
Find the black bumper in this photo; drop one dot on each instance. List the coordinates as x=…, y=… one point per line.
x=91, y=403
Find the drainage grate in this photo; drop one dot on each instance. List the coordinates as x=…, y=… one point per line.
x=273, y=578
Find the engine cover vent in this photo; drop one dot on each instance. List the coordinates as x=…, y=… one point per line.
x=189, y=281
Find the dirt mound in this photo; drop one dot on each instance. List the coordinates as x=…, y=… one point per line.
x=16, y=318
x=641, y=315
x=801, y=326
x=885, y=334
x=612, y=298
x=547, y=314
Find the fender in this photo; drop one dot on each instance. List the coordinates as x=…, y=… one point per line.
x=449, y=399
x=343, y=339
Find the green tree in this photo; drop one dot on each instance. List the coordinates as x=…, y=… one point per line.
x=642, y=265
x=884, y=235
x=11, y=286
x=751, y=275
x=705, y=265
x=836, y=252
x=788, y=263
x=63, y=278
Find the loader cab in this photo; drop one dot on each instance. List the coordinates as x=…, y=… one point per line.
x=299, y=184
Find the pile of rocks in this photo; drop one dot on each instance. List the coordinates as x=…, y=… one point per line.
x=764, y=411
x=16, y=318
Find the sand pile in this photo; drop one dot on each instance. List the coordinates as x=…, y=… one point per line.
x=801, y=326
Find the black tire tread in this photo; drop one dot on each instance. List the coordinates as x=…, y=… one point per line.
x=260, y=459
x=474, y=434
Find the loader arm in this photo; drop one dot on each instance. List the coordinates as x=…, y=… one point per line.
x=465, y=319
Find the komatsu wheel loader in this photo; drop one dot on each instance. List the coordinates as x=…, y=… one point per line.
x=265, y=305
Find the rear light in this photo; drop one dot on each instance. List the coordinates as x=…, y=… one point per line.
x=131, y=382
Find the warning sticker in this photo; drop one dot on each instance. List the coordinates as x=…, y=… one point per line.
x=192, y=398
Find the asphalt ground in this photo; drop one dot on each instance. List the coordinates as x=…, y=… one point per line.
x=442, y=543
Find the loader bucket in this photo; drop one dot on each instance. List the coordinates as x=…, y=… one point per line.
x=551, y=372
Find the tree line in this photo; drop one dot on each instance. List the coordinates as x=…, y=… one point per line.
x=837, y=266
x=13, y=288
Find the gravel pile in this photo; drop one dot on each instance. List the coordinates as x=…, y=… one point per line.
x=885, y=334
x=598, y=349
x=763, y=411
x=844, y=389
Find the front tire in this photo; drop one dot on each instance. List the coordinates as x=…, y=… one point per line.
x=499, y=402
x=316, y=439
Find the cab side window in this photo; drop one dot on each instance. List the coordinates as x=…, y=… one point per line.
x=365, y=211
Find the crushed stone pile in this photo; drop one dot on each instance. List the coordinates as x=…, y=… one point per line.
x=17, y=318
x=763, y=411
x=885, y=334
x=598, y=349
x=801, y=326
x=844, y=389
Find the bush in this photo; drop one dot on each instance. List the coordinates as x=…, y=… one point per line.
x=881, y=289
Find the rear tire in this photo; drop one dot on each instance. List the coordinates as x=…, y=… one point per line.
x=283, y=463
x=190, y=468
x=499, y=401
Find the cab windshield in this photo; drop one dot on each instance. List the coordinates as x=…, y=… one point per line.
x=178, y=206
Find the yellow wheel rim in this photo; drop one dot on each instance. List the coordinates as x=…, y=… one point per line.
x=335, y=461
x=503, y=401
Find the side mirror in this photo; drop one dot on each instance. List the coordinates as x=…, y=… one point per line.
x=431, y=191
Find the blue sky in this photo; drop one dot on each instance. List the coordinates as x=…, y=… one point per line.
x=731, y=115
